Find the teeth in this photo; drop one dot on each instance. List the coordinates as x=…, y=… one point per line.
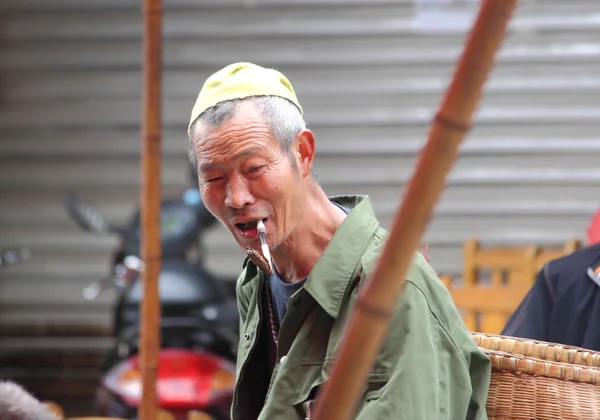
x=248, y=225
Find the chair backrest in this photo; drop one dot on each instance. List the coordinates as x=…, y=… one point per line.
x=546, y=254
x=447, y=279
x=495, y=280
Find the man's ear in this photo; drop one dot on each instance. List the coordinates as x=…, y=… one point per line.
x=305, y=151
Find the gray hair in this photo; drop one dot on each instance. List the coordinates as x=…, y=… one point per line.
x=282, y=117
x=18, y=404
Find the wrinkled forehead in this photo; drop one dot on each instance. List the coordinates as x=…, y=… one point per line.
x=231, y=136
x=213, y=161
x=228, y=147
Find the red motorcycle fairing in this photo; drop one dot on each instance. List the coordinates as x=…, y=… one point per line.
x=186, y=380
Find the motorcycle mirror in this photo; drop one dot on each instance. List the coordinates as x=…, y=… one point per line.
x=14, y=256
x=192, y=198
x=92, y=291
x=86, y=216
x=133, y=263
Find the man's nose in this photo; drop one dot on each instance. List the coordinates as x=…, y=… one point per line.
x=238, y=195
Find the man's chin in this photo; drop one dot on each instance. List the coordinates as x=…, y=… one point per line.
x=249, y=240
x=246, y=243
x=253, y=244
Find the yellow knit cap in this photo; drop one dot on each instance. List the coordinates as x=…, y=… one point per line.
x=241, y=80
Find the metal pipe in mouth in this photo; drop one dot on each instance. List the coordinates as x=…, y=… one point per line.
x=262, y=234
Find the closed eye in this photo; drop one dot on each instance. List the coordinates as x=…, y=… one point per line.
x=214, y=179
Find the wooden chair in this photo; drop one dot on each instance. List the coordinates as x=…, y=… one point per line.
x=447, y=279
x=495, y=280
x=545, y=254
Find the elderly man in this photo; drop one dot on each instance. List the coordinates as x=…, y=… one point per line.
x=254, y=157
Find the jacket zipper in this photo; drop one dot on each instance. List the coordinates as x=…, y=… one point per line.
x=257, y=332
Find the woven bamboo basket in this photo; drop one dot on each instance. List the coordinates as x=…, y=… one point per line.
x=542, y=381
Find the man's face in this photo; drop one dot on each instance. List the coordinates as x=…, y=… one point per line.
x=245, y=176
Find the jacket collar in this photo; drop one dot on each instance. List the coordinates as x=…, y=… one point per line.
x=340, y=261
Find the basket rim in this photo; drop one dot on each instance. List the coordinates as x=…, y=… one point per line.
x=520, y=364
x=538, y=349
x=533, y=341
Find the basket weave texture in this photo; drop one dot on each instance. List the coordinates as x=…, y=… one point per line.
x=539, y=380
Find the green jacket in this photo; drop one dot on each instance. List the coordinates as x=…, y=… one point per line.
x=429, y=367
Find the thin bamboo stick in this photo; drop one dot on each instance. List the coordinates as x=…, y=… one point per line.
x=150, y=208
x=368, y=323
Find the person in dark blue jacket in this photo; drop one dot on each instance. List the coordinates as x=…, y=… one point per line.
x=563, y=305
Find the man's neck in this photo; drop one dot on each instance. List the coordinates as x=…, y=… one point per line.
x=295, y=258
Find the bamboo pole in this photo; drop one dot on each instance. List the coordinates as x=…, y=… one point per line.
x=150, y=206
x=368, y=323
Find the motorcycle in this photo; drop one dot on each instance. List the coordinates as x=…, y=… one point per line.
x=14, y=256
x=199, y=317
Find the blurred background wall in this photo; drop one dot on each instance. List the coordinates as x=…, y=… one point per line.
x=369, y=75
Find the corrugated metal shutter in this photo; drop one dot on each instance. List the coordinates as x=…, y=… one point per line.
x=369, y=75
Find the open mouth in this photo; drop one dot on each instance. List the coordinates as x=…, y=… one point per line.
x=249, y=229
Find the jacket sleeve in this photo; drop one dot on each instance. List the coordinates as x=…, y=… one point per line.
x=531, y=318
x=432, y=378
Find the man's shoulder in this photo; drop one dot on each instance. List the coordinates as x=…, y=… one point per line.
x=420, y=273
x=371, y=254
x=582, y=258
x=426, y=292
x=562, y=273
